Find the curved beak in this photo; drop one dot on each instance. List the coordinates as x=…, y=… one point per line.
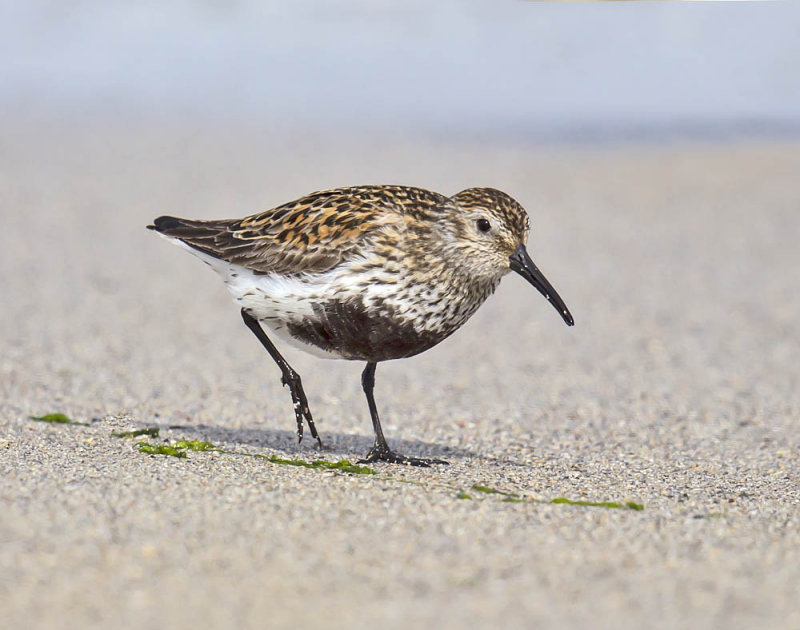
x=523, y=265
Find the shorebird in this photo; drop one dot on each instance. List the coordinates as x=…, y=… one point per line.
x=365, y=273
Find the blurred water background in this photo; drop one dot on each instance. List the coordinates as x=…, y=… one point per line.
x=584, y=72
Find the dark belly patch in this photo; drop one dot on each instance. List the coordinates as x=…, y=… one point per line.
x=354, y=332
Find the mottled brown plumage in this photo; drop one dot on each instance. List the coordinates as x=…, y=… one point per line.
x=309, y=235
x=368, y=273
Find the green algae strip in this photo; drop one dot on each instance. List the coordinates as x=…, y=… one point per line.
x=488, y=490
x=180, y=448
x=612, y=505
x=510, y=497
x=197, y=445
x=320, y=464
x=57, y=418
x=151, y=432
x=176, y=449
x=160, y=449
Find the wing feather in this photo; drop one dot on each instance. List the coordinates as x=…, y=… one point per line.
x=309, y=235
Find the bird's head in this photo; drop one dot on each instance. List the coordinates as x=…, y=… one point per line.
x=489, y=230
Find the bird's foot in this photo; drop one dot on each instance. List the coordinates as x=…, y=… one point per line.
x=301, y=411
x=381, y=453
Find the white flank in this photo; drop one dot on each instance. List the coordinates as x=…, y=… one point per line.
x=277, y=300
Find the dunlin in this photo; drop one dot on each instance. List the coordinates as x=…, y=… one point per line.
x=367, y=273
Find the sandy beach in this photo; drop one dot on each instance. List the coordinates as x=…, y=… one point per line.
x=677, y=391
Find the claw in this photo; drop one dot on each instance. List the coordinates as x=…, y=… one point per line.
x=382, y=453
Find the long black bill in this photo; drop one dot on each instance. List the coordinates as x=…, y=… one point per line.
x=523, y=265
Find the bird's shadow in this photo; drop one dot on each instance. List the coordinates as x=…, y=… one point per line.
x=336, y=444
x=340, y=445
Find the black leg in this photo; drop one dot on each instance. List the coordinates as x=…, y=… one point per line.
x=290, y=378
x=381, y=451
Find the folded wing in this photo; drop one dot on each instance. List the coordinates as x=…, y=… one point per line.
x=310, y=235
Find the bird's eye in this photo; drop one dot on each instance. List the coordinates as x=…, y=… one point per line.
x=483, y=225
